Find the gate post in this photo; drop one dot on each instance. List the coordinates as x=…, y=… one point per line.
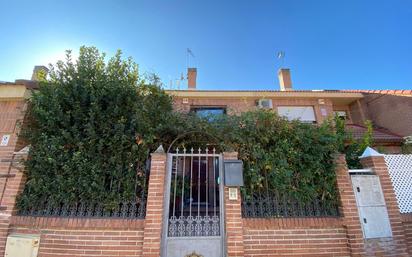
x=155, y=203
x=375, y=161
x=348, y=207
x=233, y=218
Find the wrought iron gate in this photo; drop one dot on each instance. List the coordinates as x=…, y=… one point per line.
x=194, y=204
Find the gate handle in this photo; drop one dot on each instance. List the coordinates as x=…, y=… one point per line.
x=358, y=189
x=365, y=221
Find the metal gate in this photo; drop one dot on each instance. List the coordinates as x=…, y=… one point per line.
x=193, y=223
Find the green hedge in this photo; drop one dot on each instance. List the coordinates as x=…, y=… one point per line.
x=91, y=128
x=278, y=155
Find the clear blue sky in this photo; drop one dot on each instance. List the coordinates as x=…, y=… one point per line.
x=329, y=44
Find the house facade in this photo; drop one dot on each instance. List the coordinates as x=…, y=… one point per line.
x=226, y=227
x=389, y=111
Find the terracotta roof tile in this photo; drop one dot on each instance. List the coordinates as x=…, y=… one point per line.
x=379, y=135
x=389, y=92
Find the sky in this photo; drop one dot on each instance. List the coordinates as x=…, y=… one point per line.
x=329, y=44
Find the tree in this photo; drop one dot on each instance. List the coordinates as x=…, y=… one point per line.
x=349, y=146
x=92, y=126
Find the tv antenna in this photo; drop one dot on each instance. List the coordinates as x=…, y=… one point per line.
x=281, y=57
x=189, y=53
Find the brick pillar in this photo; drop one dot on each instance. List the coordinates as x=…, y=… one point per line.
x=155, y=200
x=399, y=248
x=348, y=208
x=233, y=218
x=12, y=113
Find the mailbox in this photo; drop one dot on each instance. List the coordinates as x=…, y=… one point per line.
x=233, y=173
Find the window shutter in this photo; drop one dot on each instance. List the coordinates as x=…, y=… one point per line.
x=302, y=113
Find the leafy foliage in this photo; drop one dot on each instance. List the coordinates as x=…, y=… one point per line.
x=407, y=146
x=351, y=147
x=93, y=125
x=284, y=156
x=278, y=155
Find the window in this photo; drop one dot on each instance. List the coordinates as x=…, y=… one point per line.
x=303, y=113
x=341, y=114
x=208, y=112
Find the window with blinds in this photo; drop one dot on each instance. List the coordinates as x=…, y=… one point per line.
x=303, y=113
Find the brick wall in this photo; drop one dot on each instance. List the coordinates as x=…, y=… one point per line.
x=236, y=106
x=91, y=236
x=407, y=226
x=155, y=202
x=295, y=237
x=348, y=208
x=11, y=117
x=11, y=178
x=64, y=237
x=388, y=111
x=233, y=218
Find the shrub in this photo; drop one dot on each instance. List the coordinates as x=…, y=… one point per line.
x=352, y=148
x=92, y=127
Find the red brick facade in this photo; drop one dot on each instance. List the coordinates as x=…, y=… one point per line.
x=407, y=226
x=237, y=106
x=295, y=237
x=385, y=110
x=64, y=237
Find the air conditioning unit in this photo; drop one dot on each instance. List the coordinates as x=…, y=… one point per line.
x=264, y=103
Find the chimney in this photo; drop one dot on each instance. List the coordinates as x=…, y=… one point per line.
x=39, y=73
x=285, y=80
x=191, y=78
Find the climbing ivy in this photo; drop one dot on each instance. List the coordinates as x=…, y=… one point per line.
x=284, y=156
x=278, y=155
x=352, y=148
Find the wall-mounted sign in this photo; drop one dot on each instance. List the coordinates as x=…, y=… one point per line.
x=232, y=193
x=5, y=140
x=323, y=111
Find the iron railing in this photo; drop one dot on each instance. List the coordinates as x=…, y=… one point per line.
x=125, y=210
x=286, y=206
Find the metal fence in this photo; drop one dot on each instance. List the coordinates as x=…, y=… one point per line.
x=286, y=206
x=126, y=210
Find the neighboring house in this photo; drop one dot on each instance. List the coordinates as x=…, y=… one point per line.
x=389, y=109
x=311, y=106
